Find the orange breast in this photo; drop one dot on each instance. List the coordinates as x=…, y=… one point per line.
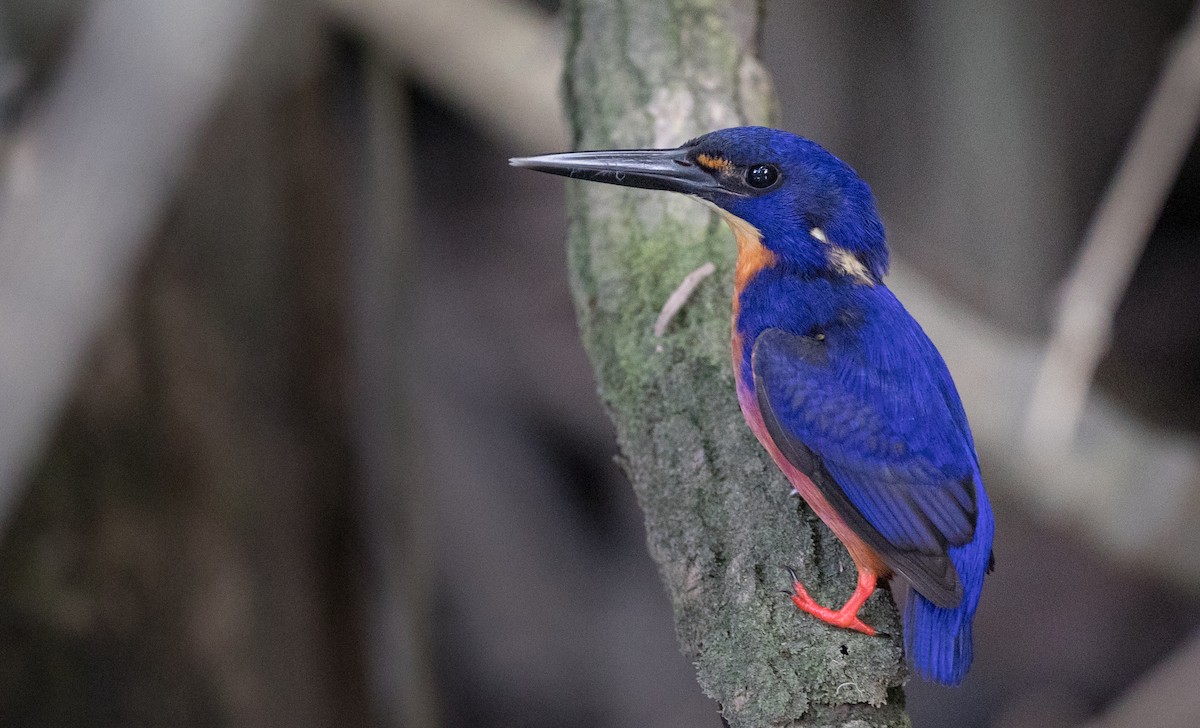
x=753, y=256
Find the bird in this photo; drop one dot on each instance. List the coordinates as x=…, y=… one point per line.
x=837, y=381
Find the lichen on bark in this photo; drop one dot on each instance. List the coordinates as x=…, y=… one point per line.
x=719, y=518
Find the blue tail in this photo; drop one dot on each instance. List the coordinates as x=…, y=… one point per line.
x=937, y=639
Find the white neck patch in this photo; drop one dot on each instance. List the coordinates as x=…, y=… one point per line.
x=842, y=260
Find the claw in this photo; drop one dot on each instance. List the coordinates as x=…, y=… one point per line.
x=847, y=616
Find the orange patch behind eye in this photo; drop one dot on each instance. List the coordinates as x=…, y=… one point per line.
x=714, y=163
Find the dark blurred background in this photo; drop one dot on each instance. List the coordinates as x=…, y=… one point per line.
x=297, y=429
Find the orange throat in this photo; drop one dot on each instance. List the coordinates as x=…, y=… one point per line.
x=752, y=257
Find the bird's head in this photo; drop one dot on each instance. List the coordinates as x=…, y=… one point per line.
x=811, y=209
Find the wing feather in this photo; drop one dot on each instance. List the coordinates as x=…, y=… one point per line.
x=887, y=446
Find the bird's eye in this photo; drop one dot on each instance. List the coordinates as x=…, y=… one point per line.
x=762, y=176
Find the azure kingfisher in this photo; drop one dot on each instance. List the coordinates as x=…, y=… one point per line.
x=835, y=378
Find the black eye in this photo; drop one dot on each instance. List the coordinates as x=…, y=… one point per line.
x=762, y=176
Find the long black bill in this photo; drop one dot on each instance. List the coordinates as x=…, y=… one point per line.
x=651, y=169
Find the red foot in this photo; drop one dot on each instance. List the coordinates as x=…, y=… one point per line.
x=847, y=616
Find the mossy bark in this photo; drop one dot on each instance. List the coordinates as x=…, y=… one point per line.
x=719, y=518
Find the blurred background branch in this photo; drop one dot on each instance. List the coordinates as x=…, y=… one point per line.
x=1166, y=696
x=393, y=504
x=1112, y=247
x=89, y=172
x=288, y=438
x=493, y=59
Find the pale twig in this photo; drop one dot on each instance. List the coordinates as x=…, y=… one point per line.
x=679, y=297
x=1113, y=245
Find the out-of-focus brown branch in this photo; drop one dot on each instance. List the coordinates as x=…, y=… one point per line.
x=1165, y=696
x=1113, y=245
x=498, y=60
x=392, y=504
x=88, y=176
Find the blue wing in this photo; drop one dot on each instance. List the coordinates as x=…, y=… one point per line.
x=868, y=411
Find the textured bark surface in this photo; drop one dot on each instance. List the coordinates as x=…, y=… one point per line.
x=719, y=519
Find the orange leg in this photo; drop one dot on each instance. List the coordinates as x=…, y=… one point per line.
x=847, y=616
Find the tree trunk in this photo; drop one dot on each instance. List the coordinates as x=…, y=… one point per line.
x=720, y=522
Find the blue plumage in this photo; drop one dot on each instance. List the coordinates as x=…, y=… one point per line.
x=834, y=377
x=851, y=378
x=874, y=404
x=874, y=400
x=938, y=639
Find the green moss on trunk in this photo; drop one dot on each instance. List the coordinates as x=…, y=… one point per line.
x=719, y=519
